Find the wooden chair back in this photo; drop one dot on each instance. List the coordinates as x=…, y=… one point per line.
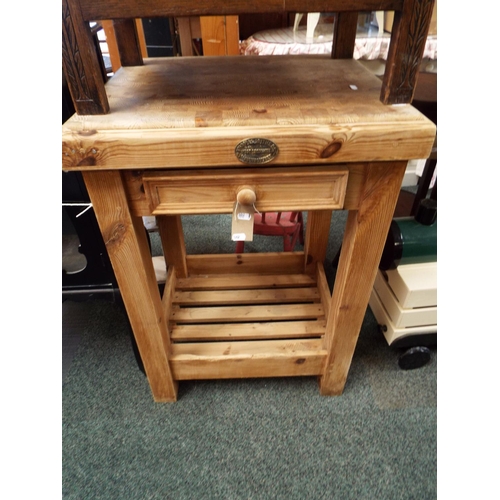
x=288, y=225
x=81, y=63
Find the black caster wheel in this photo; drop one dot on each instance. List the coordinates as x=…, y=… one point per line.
x=415, y=357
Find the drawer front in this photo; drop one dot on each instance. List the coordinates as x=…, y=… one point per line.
x=215, y=191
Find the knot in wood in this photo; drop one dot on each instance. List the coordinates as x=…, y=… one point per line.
x=331, y=149
x=88, y=161
x=116, y=234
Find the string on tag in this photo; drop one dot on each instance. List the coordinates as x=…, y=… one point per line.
x=236, y=209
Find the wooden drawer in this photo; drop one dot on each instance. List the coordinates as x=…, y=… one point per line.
x=215, y=191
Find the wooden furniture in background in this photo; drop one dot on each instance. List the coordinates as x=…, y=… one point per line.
x=287, y=225
x=165, y=137
x=189, y=29
x=219, y=35
x=425, y=100
x=114, y=53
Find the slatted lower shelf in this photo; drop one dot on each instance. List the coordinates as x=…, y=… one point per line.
x=246, y=326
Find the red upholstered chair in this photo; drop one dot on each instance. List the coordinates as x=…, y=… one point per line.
x=289, y=225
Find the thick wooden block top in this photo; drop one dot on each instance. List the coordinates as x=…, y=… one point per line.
x=188, y=112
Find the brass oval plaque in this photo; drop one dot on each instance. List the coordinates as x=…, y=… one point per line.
x=256, y=151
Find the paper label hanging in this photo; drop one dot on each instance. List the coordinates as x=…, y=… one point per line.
x=242, y=222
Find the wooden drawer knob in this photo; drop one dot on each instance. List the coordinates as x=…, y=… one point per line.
x=246, y=196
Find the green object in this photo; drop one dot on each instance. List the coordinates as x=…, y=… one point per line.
x=412, y=240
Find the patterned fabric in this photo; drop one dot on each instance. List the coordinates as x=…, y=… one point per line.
x=285, y=41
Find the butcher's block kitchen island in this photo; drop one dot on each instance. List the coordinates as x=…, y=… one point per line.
x=204, y=135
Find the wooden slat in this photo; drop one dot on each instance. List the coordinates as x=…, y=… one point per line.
x=112, y=9
x=270, y=358
x=257, y=296
x=269, y=262
x=323, y=288
x=169, y=291
x=244, y=282
x=248, y=331
x=224, y=314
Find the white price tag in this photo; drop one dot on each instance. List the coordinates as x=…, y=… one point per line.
x=242, y=223
x=239, y=237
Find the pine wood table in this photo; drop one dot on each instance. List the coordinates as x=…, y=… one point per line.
x=185, y=136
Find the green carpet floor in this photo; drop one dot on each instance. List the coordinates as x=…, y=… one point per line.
x=245, y=439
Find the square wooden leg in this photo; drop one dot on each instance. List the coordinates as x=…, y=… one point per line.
x=364, y=239
x=126, y=242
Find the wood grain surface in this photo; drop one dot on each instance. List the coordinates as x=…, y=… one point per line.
x=255, y=325
x=80, y=62
x=112, y=9
x=252, y=359
x=127, y=246
x=243, y=315
x=215, y=191
x=182, y=112
x=364, y=239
